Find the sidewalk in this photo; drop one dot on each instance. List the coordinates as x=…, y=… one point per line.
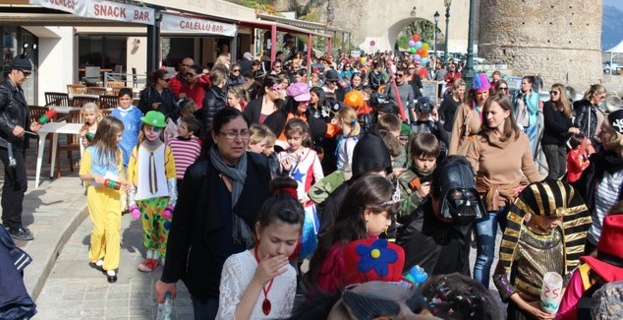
x=59, y=279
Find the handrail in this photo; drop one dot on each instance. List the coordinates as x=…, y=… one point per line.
x=135, y=79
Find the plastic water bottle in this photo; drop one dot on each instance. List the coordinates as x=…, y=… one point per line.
x=165, y=310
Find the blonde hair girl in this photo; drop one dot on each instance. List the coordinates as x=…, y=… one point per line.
x=91, y=116
x=346, y=119
x=257, y=141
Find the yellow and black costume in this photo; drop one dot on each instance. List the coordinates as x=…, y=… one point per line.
x=526, y=255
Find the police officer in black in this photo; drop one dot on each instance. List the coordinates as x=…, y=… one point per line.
x=14, y=121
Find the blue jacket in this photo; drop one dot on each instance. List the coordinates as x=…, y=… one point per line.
x=15, y=302
x=131, y=127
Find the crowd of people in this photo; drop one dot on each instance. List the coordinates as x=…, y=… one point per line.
x=278, y=190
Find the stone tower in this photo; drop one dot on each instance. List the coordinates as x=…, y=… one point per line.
x=559, y=40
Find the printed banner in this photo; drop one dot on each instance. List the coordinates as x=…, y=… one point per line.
x=98, y=9
x=196, y=25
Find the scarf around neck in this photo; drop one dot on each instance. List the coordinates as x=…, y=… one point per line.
x=241, y=231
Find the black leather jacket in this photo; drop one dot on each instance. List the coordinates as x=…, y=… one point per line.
x=585, y=117
x=13, y=112
x=214, y=100
x=375, y=80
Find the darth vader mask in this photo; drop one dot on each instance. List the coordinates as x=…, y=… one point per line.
x=459, y=201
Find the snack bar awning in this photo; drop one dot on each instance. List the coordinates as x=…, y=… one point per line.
x=102, y=9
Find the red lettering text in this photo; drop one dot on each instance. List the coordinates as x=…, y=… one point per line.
x=109, y=11
x=69, y=4
x=141, y=15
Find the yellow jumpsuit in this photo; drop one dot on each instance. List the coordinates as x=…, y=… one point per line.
x=104, y=206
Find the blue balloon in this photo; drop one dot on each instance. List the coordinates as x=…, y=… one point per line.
x=425, y=60
x=418, y=44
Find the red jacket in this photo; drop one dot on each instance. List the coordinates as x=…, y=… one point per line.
x=576, y=163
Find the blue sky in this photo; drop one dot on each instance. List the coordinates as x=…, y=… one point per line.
x=615, y=3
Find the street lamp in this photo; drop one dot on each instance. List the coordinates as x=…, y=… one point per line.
x=413, y=11
x=447, y=3
x=436, y=15
x=470, y=73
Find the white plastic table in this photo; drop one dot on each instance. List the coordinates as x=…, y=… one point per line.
x=54, y=128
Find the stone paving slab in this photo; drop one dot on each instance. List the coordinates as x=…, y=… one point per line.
x=84, y=292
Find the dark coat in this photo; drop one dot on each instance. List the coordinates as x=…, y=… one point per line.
x=13, y=112
x=192, y=242
x=214, y=100
x=555, y=125
x=168, y=104
x=15, y=303
x=254, y=110
x=585, y=118
x=600, y=162
x=426, y=239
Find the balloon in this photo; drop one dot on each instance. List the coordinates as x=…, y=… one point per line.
x=416, y=37
x=411, y=43
x=420, y=51
x=372, y=43
x=417, y=57
x=425, y=46
x=424, y=61
x=418, y=44
x=412, y=50
x=424, y=53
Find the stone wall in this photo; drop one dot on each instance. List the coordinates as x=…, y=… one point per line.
x=559, y=40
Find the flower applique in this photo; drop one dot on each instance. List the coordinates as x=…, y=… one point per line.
x=377, y=256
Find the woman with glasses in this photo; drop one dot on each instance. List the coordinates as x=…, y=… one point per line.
x=347, y=71
x=235, y=78
x=501, y=86
x=268, y=100
x=557, y=128
x=157, y=95
x=217, y=208
x=193, y=89
x=587, y=112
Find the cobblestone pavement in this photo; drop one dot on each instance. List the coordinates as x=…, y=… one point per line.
x=76, y=291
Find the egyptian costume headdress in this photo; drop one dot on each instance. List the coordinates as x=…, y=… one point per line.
x=550, y=198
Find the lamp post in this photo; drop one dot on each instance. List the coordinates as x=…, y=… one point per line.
x=447, y=3
x=470, y=73
x=436, y=15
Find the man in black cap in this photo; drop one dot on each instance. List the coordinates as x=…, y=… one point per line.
x=14, y=119
x=332, y=87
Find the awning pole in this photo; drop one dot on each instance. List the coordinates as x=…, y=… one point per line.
x=273, y=44
x=309, y=48
x=329, y=45
x=153, y=43
x=233, y=48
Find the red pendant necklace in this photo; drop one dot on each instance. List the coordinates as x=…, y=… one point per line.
x=266, y=306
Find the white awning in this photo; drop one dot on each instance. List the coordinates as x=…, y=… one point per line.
x=616, y=49
x=194, y=25
x=101, y=9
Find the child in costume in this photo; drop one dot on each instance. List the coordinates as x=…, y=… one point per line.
x=186, y=147
x=302, y=164
x=131, y=118
x=102, y=167
x=546, y=231
x=577, y=157
x=414, y=183
x=153, y=194
x=92, y=116
x=260, y=283
x=346, y=119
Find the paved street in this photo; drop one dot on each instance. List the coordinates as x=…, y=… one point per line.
x=76, y=291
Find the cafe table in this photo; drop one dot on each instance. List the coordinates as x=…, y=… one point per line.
x=55, y=128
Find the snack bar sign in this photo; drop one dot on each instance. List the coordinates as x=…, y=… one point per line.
x=99, y=9
x=195, y=25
